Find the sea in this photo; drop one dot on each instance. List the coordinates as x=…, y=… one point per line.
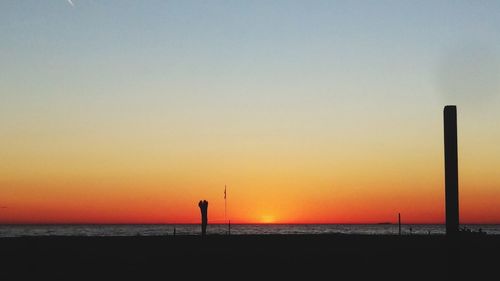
x=236, y=229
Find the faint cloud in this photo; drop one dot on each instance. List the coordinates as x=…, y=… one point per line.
x=71, y=2
x=469, y=73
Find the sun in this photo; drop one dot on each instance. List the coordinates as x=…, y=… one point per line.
x=267, y=219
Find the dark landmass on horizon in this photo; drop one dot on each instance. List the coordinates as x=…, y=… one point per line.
x=417, y=257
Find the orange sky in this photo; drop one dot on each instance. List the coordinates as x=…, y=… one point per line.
x=270, y=181
x=309, y=111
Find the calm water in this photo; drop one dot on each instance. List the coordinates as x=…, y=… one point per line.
x=154, y=230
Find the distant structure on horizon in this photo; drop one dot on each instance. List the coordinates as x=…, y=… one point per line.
x=451, y=169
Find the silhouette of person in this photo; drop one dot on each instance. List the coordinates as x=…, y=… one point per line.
x=204, y=216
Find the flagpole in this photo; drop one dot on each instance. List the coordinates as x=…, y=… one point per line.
x=225, y=204
x=225, y=211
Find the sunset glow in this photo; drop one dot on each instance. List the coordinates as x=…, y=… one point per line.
x=267, y=219
x=320, y=112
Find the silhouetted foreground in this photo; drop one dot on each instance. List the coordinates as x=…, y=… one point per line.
x=231, y=257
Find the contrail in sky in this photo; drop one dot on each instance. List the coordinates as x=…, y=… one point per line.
x=71, y=3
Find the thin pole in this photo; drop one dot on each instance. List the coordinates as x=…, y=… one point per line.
x=399, y=223
x=225, y=203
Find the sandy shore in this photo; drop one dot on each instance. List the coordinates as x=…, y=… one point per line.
x=233, y=257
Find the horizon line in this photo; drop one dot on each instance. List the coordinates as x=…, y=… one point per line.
x=246, y=223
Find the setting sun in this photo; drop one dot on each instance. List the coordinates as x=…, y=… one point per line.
x=267, y=219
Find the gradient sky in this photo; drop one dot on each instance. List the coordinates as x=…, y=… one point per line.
x=310, y=111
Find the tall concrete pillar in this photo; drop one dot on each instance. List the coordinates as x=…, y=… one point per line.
x=451, y=169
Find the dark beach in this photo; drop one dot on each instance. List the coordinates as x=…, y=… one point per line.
x=415, y=257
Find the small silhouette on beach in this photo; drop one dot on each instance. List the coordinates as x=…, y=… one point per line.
x=203, y=204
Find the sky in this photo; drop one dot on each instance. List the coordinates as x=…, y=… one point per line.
x=121, y=111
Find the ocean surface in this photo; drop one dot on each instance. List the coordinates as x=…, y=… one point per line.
x=237, y=229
